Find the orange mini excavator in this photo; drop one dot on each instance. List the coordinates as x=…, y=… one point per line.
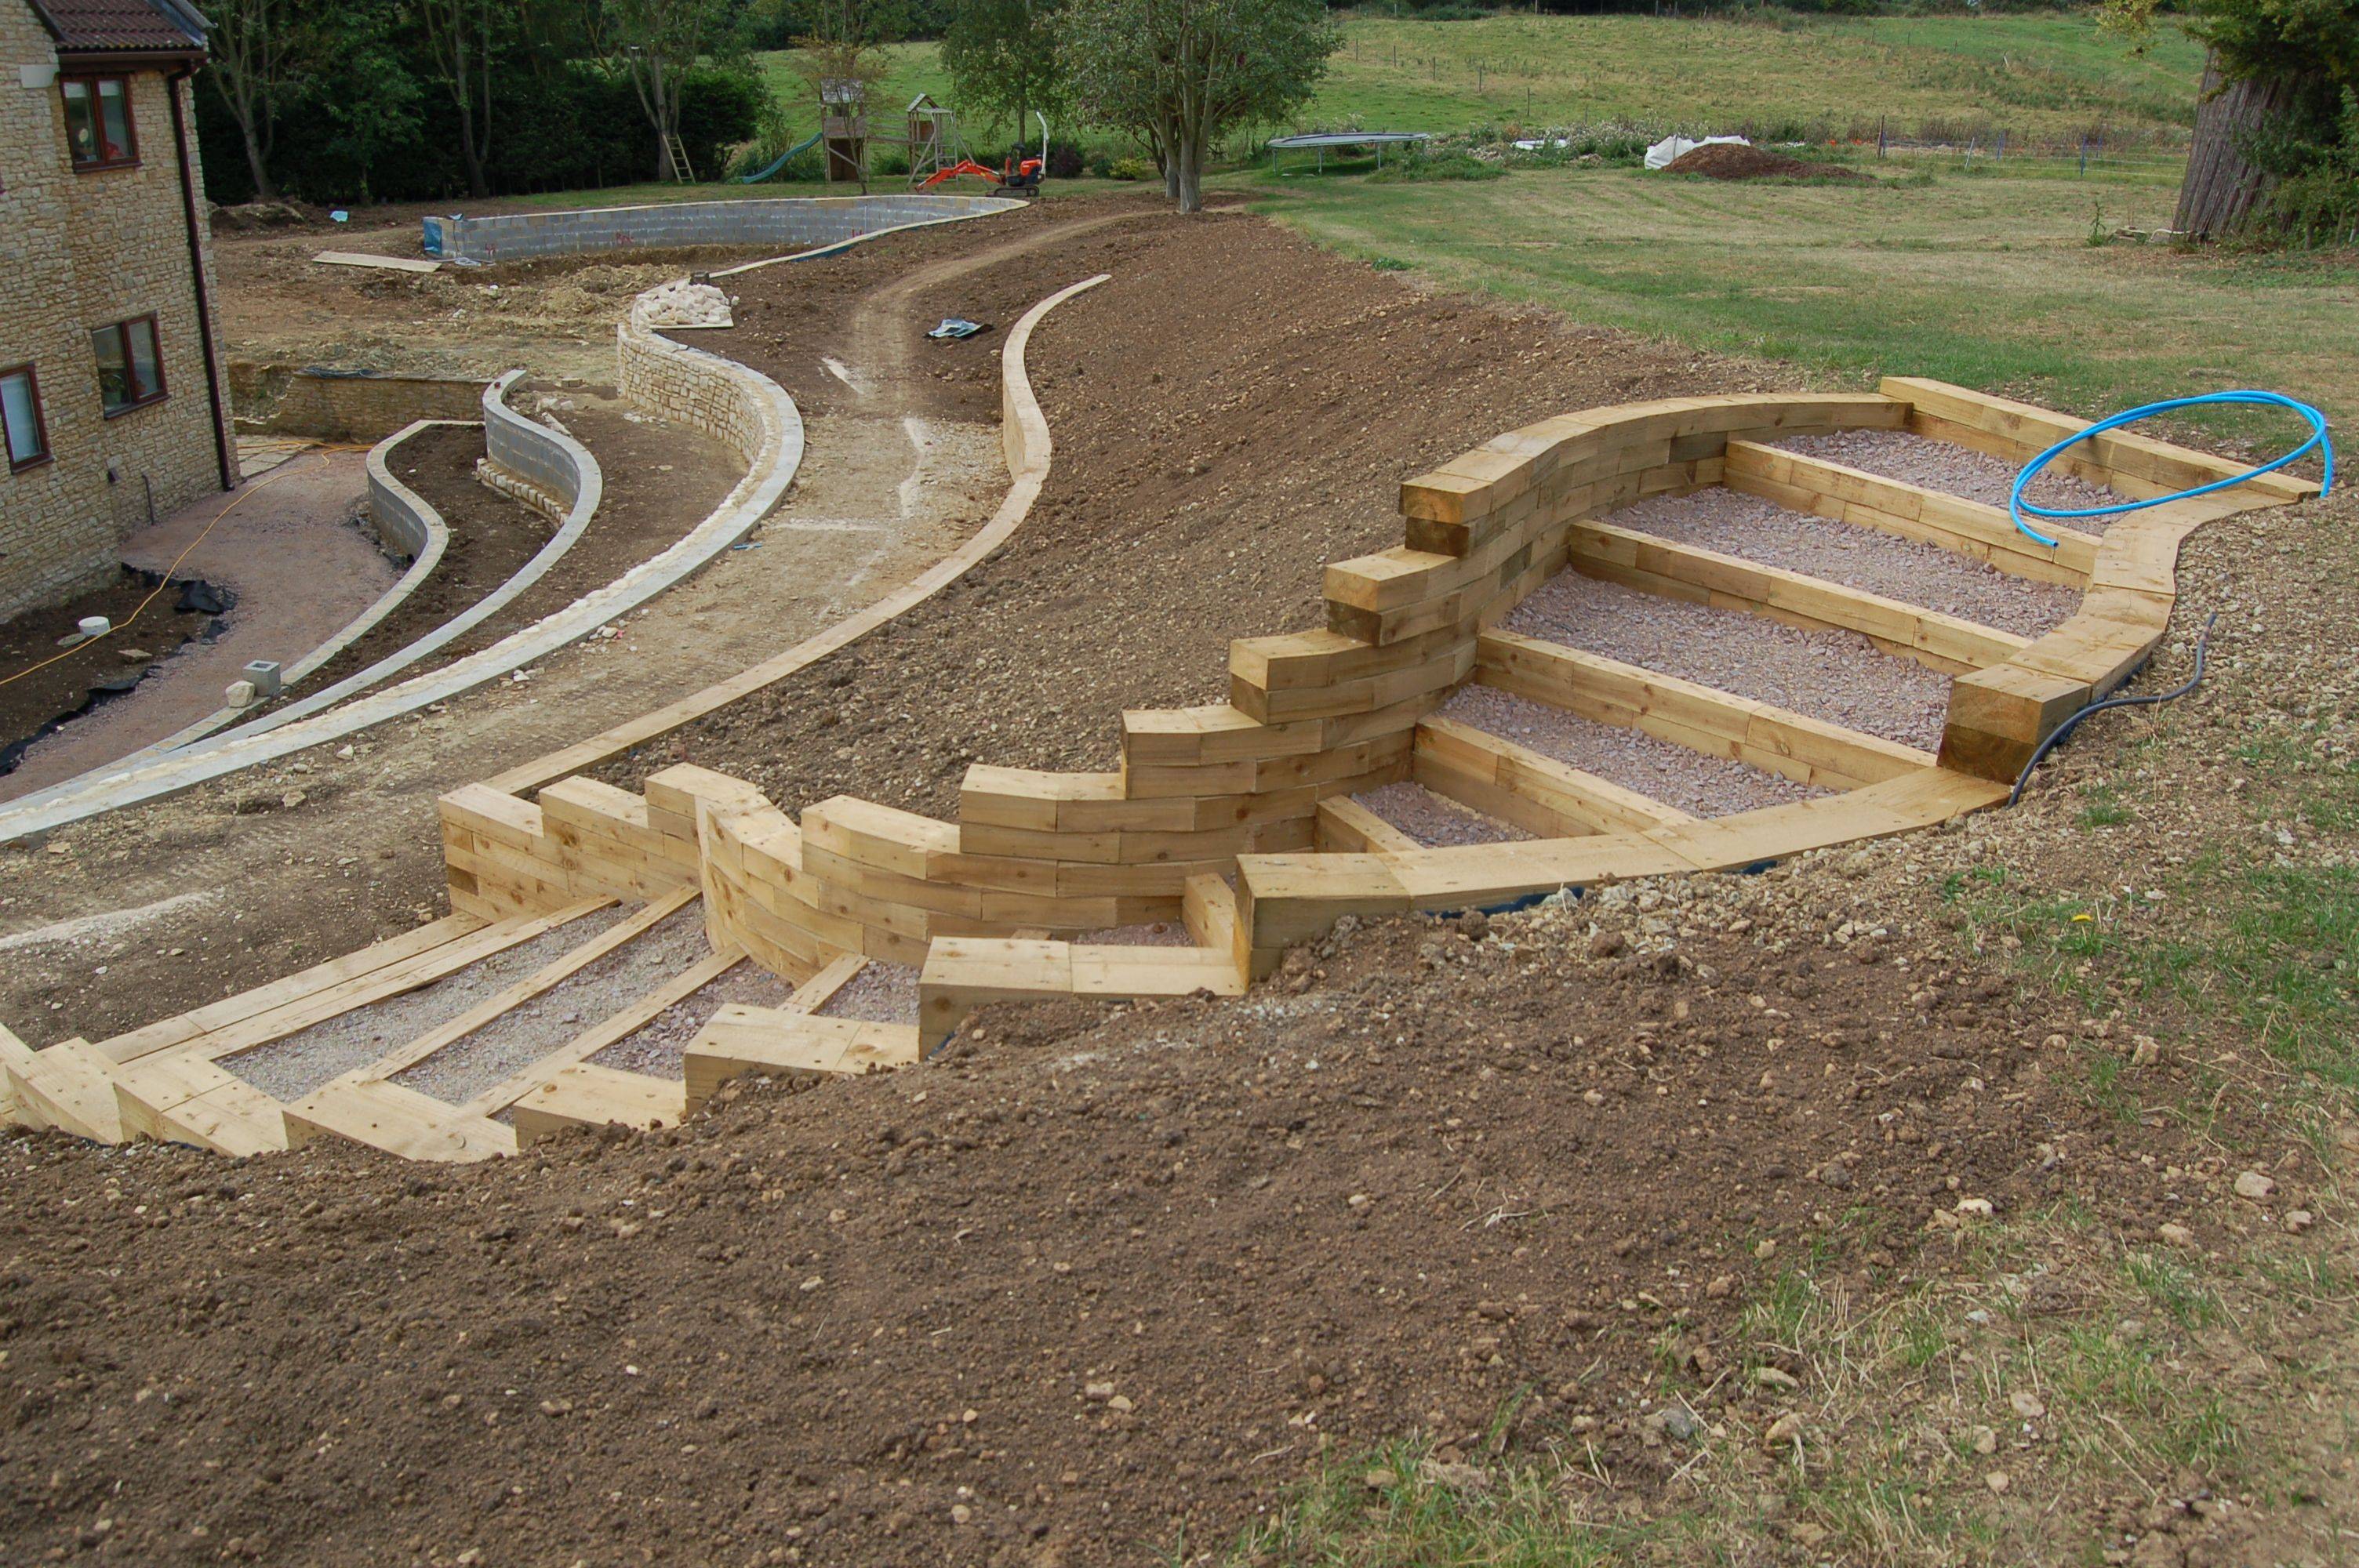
x=1020, y=175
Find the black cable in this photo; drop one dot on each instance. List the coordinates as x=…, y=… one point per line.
x=2056, y=736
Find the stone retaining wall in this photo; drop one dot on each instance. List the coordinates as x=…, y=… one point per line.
x=785, y=221
x=343, y=405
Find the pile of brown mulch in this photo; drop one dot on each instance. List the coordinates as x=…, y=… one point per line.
x=1729, y=160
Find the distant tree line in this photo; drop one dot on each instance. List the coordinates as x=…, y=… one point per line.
x=357, y=101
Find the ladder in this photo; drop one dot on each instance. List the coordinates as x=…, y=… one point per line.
x=681, y=172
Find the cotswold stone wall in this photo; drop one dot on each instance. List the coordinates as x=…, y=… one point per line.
x=343, y=405
x=77, y=252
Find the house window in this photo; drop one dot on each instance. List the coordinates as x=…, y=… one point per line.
x=20, y=418
x=98, y=121
x=130, y=370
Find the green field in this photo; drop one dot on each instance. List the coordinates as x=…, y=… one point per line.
x=1985, y=279
x=2047, y=78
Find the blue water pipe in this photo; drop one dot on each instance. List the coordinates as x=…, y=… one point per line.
x=2016, y=506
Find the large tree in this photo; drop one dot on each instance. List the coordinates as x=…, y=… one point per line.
x=1179, y=73
x=1006, y=59
x=2274, y=87
x=252, y=52
x=461, y=38
x=655, y=43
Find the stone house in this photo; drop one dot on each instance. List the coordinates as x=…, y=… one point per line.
x=112, y=407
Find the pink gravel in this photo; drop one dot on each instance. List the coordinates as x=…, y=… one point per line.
x=1945, y=465
x=1838, y=676
x=1906, y=569
x=1436, y=822
x=1698, y=785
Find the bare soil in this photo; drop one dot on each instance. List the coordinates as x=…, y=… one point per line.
x=1729, y=160
x=46, y=686
x=1215, y=448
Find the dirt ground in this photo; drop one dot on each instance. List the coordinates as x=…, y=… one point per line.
x=1972, y=1196
x=51, y=685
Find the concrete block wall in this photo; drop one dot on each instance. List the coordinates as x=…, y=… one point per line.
x=547, y=461
x=786, y=223
x=79, y=251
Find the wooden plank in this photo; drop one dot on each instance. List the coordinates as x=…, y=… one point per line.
x=2157, y=464
x=1537, y=793
x=615, y=935
x=1348, y=828
x=178, y=1097
x=1701, y=717
x=964, y=973
x=1208, y=907
x=186, y=1026
x=583, y=1094
x=775, y=1043
x=610, y=1030
x=70, y=1086
x=398, y=1120
x=1112, y=972
x=386, y=263
x=1641, y=561
x=1986, y=533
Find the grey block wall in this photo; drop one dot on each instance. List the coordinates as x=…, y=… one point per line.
x=785, y=222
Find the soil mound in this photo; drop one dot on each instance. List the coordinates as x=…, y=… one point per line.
x=1730, y=161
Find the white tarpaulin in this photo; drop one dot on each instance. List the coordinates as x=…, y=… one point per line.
x=1672, y=147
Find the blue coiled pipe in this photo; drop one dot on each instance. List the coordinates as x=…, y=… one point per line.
x=2018, y=507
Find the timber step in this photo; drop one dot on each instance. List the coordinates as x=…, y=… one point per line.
x=781, y=1043
x=583, y=1094
x=181, y=1098
x=398, y=1120
x=70, y=1086
x=964, y=973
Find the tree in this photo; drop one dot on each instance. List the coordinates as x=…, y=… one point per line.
x=2271, y=103
x=1179, y=73
x=462, y=36
x=250, y=49
x=656, y=43
x=1005, y=60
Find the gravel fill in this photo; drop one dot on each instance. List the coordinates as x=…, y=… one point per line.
x=290, y=1068
x=1907, y=570
x=1660, y=769
x=1434, y=821
x=1944, y=465
x=879, y=993
x=1838, y=676
x=1157, y=934
x=658, y=1049
x=524, y=1034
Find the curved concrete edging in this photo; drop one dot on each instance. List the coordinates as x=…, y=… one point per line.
x=1025, y=446
x=763, y=418
x=402, y=515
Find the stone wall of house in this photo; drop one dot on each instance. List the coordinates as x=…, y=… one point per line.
x=79, y=251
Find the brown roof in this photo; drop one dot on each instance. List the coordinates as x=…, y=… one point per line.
x=122, y=27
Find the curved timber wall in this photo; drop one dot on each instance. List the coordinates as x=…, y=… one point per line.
x=782, y=221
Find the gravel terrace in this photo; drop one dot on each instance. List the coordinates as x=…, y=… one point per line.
x=1940, y=465
x=1436, y=821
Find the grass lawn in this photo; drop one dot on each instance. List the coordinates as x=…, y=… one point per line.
x=2047, y=77
x=1983, y=279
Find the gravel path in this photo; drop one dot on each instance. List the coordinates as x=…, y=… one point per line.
x=1160, y=934
x=1661, y=769
x=658, y=1049
x=1907, y=569
x=291, y=1068
x=1839, y=677
x=1941, y=465
x=1436, y=822
x=524, y=1034
x=879, y=993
